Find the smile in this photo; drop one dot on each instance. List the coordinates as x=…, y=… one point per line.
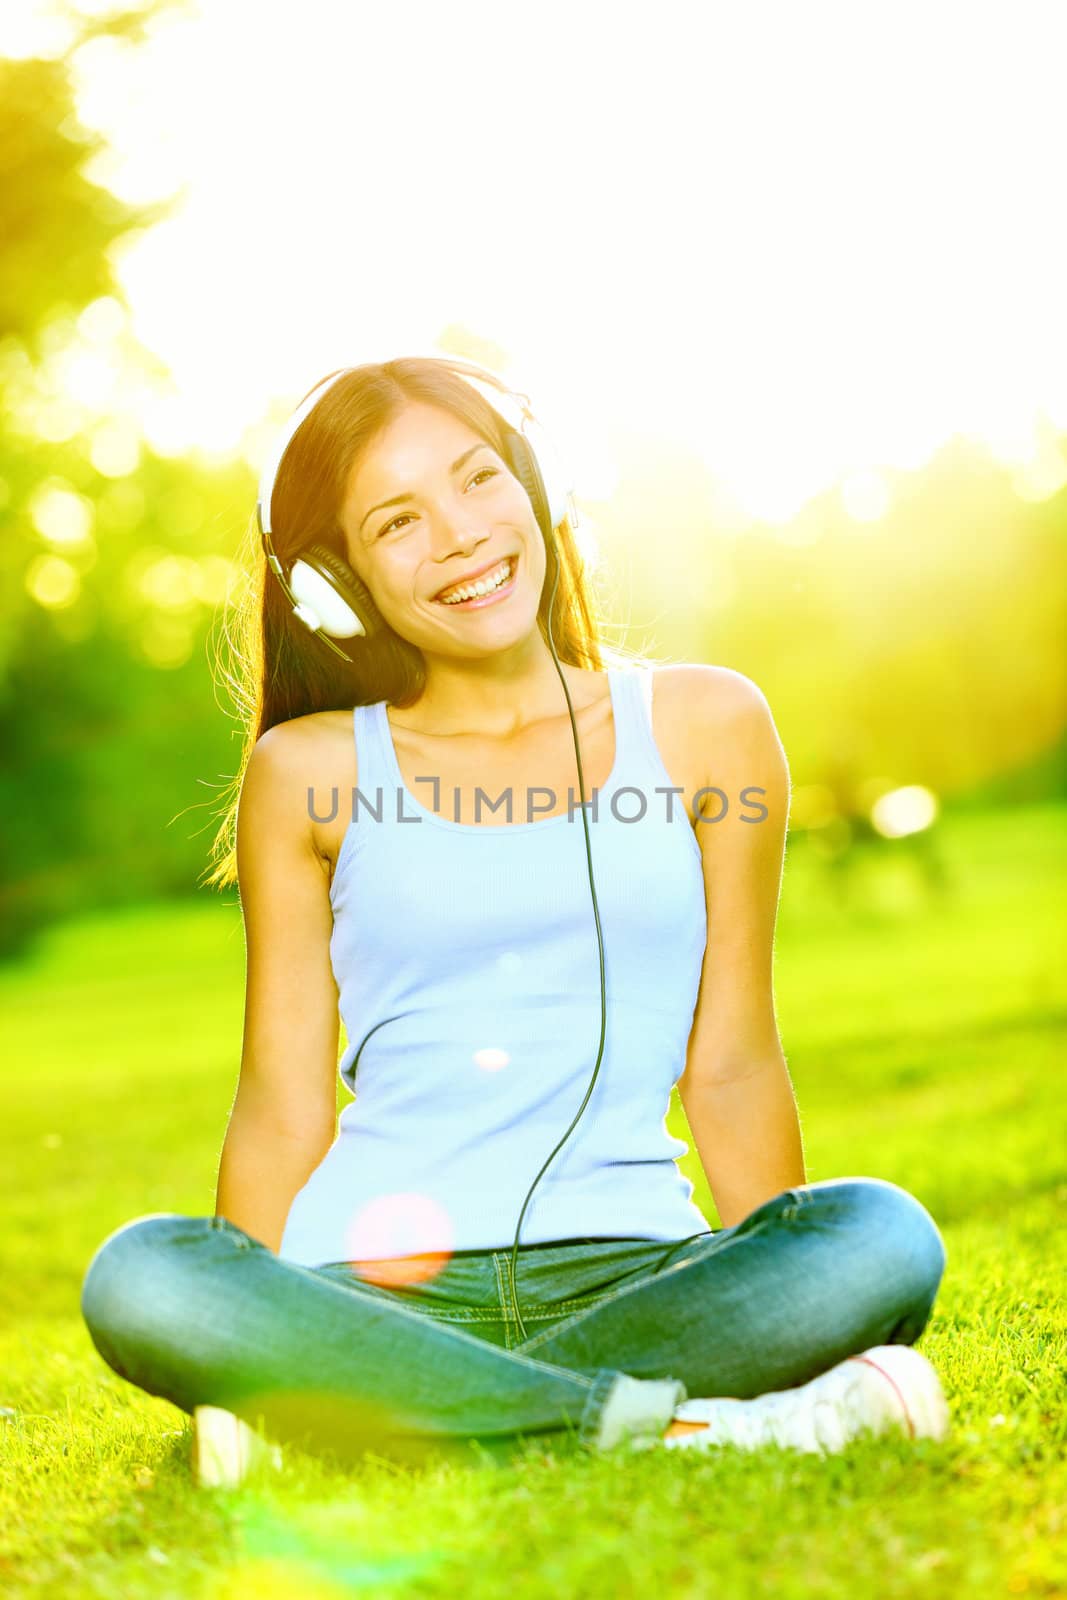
x=494, y=586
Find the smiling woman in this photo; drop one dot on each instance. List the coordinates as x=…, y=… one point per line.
x=426, y=565
x=439, y=451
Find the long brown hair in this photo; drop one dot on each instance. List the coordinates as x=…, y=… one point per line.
x=279, y=669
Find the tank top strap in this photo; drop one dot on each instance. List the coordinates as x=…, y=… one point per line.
x=372, y=762
x=632, y=706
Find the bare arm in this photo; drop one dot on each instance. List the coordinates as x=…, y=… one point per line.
x=736, y=1089
x=283, y=1119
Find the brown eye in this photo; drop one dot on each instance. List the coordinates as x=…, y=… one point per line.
x=389, y=525
x=490, y=472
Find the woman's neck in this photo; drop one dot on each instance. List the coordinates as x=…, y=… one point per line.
x=497, y=706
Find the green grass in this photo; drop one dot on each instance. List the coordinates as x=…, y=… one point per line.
x=925, y=1039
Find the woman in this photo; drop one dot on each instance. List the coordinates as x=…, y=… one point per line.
x=355, y=1289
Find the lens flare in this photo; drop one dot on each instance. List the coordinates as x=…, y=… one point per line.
x=490, y=1059
x=399, y=1239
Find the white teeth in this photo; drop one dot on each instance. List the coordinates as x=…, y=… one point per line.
x=483, y=586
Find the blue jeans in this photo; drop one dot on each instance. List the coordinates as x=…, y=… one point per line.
x=618, y=1331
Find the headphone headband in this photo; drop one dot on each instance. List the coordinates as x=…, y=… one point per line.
x=277, y=451
x=552, y=471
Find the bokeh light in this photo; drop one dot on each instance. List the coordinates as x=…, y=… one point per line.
x=60, y=515
x=903, y=811
x=53, y=582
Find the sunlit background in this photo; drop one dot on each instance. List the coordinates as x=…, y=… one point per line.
x=787, y=284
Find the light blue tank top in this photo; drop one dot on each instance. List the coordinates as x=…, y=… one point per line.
x=465, y=957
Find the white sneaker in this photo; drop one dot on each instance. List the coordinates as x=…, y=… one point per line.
x=225, y=1449
x=889, y=1388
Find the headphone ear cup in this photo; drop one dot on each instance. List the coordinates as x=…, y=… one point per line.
x=336, y=592
x=523, y=464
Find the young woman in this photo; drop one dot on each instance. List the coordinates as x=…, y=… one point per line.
x=545, y=837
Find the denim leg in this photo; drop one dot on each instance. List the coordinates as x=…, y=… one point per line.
x=195, y=1310
x=815, y=1274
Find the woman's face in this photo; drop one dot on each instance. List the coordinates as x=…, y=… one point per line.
x=463, y=511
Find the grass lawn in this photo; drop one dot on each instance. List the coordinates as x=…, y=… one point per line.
x=925, y=1039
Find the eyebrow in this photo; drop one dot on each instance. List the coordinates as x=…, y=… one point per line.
x=399, y=499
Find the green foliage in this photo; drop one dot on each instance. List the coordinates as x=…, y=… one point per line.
x=108, y=723
x=57, y=226
x=928, y=648
x=116, y=751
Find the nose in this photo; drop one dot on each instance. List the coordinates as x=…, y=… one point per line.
x=455, y=534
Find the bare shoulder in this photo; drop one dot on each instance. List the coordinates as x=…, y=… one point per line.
x=311, y=753
x=300, y=740
x=704, y=692
x=725, y=721
x=299, y=748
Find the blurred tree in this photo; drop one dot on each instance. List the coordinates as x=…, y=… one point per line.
x=927, y=648
x=58, y=228
x=57, y=225
x=82, y=651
